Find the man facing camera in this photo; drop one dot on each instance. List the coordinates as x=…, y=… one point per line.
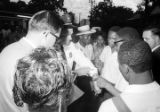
x=43, y=29
x=142, y=94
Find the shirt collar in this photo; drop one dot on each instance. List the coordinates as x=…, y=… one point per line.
x=29, y=42
x=137, y=88
x=155, y=48
x=68, y=47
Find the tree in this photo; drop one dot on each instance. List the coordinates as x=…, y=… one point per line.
x=37, y=5
x=106, y=15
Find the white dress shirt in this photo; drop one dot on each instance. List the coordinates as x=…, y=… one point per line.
x=110, y=70
x=73, y=53
x=87, y=50
x=139, y=98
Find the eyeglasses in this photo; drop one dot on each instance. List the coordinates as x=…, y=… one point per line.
x=118, y=41
x=54, y=35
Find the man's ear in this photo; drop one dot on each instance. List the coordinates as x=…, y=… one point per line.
x=126, y=70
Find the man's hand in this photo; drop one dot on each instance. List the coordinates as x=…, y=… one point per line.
x=98, y=64
x=102, y=83
x=82, y=71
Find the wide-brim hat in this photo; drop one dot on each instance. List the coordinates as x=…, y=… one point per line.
x=70, y=25
x=83, y=30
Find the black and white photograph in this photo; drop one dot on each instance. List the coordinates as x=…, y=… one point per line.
x=79, y=55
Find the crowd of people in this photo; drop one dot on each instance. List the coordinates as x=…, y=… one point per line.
x=112, y=71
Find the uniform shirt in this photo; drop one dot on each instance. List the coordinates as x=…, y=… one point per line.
x=87, y=50
x=8, y=61
x=73, y=53
x=110, y=70
x=139, y=98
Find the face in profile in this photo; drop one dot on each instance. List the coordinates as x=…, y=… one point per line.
x=69, y=37
x=112, y=36
x=150, y=38
x=49, y=39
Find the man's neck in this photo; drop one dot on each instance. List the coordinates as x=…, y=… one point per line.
x=141, y=78
x=33, y=40
x=82, y=43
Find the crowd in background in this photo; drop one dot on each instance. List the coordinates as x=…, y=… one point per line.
x=57, y=66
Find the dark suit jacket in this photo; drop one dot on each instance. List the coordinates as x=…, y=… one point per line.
x=156, y=64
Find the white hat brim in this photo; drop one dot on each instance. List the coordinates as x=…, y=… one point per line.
x=86, y=32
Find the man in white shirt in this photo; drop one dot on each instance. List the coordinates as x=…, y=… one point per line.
x=118, y=82
x=82, y=66
x=142, y=94
x=109, y=57
x=84, y=40
x=151, y=35
x=42, y=30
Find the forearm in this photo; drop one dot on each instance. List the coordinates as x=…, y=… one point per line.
x=111, y=89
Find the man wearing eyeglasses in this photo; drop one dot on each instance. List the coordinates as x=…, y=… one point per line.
x=43, y=29
x=123, y=35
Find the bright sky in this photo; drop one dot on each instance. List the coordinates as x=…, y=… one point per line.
x=127, y=3
x=21, y=0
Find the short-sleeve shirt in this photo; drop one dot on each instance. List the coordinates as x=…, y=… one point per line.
x=139, y=98
x=110, y=70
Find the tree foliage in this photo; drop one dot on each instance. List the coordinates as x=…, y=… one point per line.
x=33, y=6
x=106, y=15
x=37, y=5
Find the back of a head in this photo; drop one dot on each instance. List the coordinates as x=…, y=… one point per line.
x=128, y=33
x=115, y=28
x=45, y=20
x=136, y=54
x=40, y=79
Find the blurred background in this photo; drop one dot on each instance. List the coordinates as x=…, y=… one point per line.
x=14, y=14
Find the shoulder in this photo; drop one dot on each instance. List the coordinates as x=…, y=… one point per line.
x=107, y=106
x=10, y=49
x=12, y=52
x=108, y=48
x=75, y=45
x=90, y=45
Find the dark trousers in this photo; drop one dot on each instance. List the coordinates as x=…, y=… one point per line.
x=88, y=102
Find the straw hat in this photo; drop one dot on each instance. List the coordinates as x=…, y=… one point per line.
x=85, y=30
